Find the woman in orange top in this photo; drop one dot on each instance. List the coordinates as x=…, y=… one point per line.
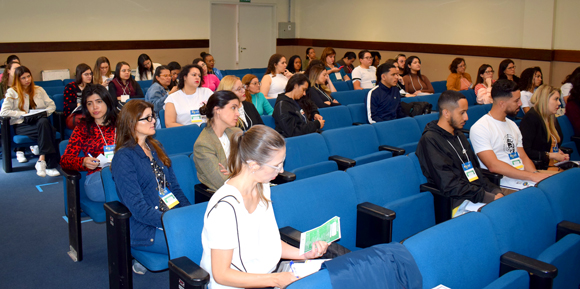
x=458, y=79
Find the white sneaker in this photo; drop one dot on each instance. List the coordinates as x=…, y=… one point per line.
x=40, y=168
x=52, y=172
x=35, y=150
x=21, y=157
x=138, y=268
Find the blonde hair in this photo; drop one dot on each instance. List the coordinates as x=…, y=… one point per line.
x=540, y=100
x=227, y=83
x=313, y=75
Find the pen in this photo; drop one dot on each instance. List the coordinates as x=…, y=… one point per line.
x=292, y=269
x=92, y=157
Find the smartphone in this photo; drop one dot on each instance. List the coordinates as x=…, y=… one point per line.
x=341, y=67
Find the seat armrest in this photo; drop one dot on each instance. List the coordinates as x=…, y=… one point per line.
x=117, y=210
x=284, y=177
x=357, y=123
x=575, y=138
x=202, y=193
x=6, y=143
x=566, y=227
x=541, y=274
x=566, y=150
x=184, y=273
x=118, y=245
x=429, y=187
x=59, y=122
x=443, y=204
x=342, y=162
x=291, y=236
x=493, y=177
x=374, y=225
x=395, y=150
x=71, y=174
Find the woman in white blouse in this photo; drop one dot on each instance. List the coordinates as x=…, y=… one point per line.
x=276, y=76
x=182, y=107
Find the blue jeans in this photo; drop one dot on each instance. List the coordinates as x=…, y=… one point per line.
x=159, y=245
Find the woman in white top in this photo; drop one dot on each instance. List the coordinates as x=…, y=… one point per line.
x=276, y=76
x=530, y=79
x=567, y=84
x=182, y=107
x=20, y=99
x=102, y=72
x=145, y=68
x=240, y=238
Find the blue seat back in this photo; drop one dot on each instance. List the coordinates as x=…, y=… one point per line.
x=272, y=101
x=186, y=175
x=432, y=99
x=358, y=112
x=178, y=140
x=568, y=132
x=417, y=165
x=424, y=119
x=67, y=81
x=350, y=96
x=351, y=142
x=259, y=72
x=474, y=113
x=305, y=150
x=52, y=90
x=318, y=280
x=470, y=95
x=336, y=117
x=145, y=84
x=109, y=185
x=298, y=204
x=409, y=99
x=342, y=85
x=439, y=86
x=403, y=133
x=50, y=83
x=528, y=213
x=460, y=253
x=180, y=241
x=58, y=101
x=269, y=121
x=162, y=118
x=561, y=191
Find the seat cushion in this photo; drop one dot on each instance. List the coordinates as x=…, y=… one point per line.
x=315, y=169
x=414, y=214
x=380, y=155
x=517, y=279
x=565, y=255
x=152, y=261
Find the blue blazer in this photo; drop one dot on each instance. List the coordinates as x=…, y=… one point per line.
x=137, y=189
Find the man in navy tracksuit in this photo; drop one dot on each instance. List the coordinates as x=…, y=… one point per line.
x=383, y=102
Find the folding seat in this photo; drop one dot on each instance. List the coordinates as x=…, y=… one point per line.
x=268, y=121
x=179, y=139
x=439, y=86
x=358, y=112
x=272, y=101
x=400, y=134
x=570, y=140
x=52, y=90
x=67, y=81
x=145, y=84
x=424, y=119
x=359, y=143
x=471, y=96
x=350, y=96
x=162, y=118
x=409, y=99
x=50, y=83
x=342, y=85
x=431, y=99
x=524, y=223
x=307, y=156
x=562, y=193
x=474, y=113
x=336, y=117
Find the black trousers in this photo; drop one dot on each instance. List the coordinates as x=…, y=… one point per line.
x=43, y=133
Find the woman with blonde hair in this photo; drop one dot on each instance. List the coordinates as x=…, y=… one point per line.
x=541, y=132
x=335, y=72
x=322, y=88
x=252, y=85
x=249, y=115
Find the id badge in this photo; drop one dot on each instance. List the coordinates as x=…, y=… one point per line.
x=125, y=97
x=168, y=198
x=374, y=82
x=195, y=116
x=109, y=152
x=338, y=75
x=515, y=160
x=470, y=172
x=555, y=149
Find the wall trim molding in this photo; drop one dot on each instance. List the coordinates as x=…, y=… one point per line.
x=468, y=50
x=21, y=47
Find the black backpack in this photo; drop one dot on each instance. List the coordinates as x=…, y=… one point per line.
x=416, y=108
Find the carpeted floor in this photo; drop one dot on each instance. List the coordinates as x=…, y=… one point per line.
x=34, y=238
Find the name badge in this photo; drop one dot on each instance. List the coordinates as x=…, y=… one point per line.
x=195, y=116
x=79, y=94
x=555, y=149
x=168, y=198
x=402, y=92
x=470, y=172
x=109, y=152
x=338, y=75
x=374, y=82
x=516, y=161
x=125, y=97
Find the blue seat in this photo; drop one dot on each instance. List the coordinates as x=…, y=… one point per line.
x=52, y=90
x=439, y=86
x=359, y=143
x=402, y=133
x=58, y=119
x=470, y=95
x=307, y=156
x=343, y=85
x=318, y=280
x=358, y=112
x=336, y=117
x=462, y=253
x=145, y=84
x=351, y=96
x=178, y=140
x=67, y=81
x=474, y=113
x=409, y=99
x=560, y=189
x=417, y=165
x=424, y=119
x=269, y=121
x=162, y=118
x=259, y=72
x=524, y=223
x=432, y=99
x=50, y=83
x=272, y=101
x=401, y=194
x=568, y=132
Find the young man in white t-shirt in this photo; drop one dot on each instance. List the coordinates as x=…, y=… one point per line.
x=497, y=140
x=364, y=76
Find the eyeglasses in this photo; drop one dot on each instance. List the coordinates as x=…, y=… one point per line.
x=165, y=75
x=88, y=74
x=489, y=71
x=369, y=57
x=241, y=89
x=511, y=67
x=148, y=118
x=278, y=168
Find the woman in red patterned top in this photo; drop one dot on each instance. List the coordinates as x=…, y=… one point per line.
x=74, y=90
x=93, y=136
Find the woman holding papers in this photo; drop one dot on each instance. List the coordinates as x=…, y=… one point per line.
x=95, y=137
x=20, y=99
x=241, y=242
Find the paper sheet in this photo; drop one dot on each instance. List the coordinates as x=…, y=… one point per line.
x=35, y=111
x=104, y=161
x=328, y=232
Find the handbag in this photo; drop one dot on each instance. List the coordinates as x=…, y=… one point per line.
x=73, y=119
x=32, y=119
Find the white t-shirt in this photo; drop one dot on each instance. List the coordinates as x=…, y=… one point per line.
x=278, y=85
x=566, y=87
x=501, y=137
x=367, y=77
x=184, y=104
x=225, y=141
x=148, y=75
x=259, y=240
x=526, y=98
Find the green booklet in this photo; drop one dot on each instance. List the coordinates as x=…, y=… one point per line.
x=328, y=232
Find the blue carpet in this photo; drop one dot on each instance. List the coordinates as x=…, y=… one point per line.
x=34, y=238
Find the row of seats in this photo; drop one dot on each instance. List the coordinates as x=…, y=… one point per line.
x=438, y=86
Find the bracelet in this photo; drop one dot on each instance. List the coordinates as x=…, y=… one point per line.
x=536, y=172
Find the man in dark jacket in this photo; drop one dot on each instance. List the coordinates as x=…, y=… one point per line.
x=447, y=159
x=383, y=102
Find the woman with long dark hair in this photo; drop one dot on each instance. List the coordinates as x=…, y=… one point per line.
x=123, y=86
x=209, y=80
x=7, y=78
x=74, y=90
x=415, y=82
x=530, y=79
x=321, y=89
x=93, y=136
x=295, y=64
x=567, y=84
x=145, y=67
x=182, y=106
x=483, y=84
x=507, y=70
x=276, y=76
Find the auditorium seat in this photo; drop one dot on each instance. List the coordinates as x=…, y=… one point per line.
x=52, y=90
x=259, y=72
x=402, y=133
x=471, y=96
x=358, y=112
x=307, y=156
x=359, y=143
x=162, y=118
x=561, y=191
x=58, y=118
x=67, y=81
x=50, y=83
x=178, y=140
x=343, y=85
x=430, y=98
x=439, y=86
x=474, y=113
x=569, y=141
x=145, y=84
x=424, y=119
x=268, y=120
x=351, y=96
x=336, y=117
x=272, y=101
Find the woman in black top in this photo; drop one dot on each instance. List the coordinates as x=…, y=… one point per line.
x=507, y=70
x=123, y=84
x=321, y=89
x=290, y=118
x=541, y=132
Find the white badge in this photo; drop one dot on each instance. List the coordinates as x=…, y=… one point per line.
x=125, y=97
x=515, y=160
x=195, y=116
x=338, y=75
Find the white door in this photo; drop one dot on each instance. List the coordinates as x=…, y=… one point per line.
x=242, y=36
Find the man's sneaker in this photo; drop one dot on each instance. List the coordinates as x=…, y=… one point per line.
x=40, y=168
x=35, y=150
x=21, y=157
x=52, y=172
x=138, y=268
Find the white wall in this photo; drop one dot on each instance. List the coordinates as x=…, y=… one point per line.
x=566, y=24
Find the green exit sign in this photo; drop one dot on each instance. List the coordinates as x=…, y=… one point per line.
x=246, y=1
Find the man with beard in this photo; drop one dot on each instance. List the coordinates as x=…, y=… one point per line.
x=497, y=140
x=447, y=159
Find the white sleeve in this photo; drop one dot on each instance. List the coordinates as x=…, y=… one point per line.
x=480, y=138
x=220, y=226
x=519, y=134
x=169, y=99
x=356, y=74
x=526, y=97
x=566, y=87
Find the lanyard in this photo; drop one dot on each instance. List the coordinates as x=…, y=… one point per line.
x=411, y=77
x=464, y=152
x=104, y=135
x=324, y=93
